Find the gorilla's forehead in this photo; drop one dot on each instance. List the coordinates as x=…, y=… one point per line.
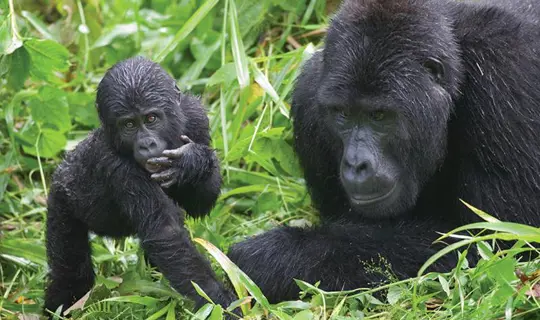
x=136, y=80
x=368, y=71
x=380, y=47
x=382, y=28
x=136, y=87
x=380, y=10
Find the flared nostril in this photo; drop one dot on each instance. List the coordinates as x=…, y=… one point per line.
x=362, y=167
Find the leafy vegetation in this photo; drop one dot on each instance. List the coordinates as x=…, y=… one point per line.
x=242, y=56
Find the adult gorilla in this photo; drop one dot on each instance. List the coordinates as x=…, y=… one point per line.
x=411, y=106
x=130, y=177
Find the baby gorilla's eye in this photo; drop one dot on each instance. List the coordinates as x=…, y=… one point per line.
x=151, y=118
x=129, y=124
x=378, y=115
x=339, y=111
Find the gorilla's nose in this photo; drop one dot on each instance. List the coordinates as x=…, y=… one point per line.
x=358, y=169
x=149, y=148
x=147, y=145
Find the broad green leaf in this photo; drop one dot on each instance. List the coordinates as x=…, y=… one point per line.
x=296, y=304
x=444, y=284
x=82, y=108
x=5, y=37
x=286, y=157
x=5, y=64
x=9, y=42
x=145, y=301
x=20, y=68
x=502, y=272
x=394, y=294
x=251, y=13
x=50, y=109
x=51, y=142
x=109, y=283
x=484, y=250
x=6, y=161
x=296, y=7
x=304, y=315
x=118, y=31
x=147, y=287
x=47, y=57
x=224, y=75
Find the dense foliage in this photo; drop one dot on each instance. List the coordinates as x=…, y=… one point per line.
x=242, y=57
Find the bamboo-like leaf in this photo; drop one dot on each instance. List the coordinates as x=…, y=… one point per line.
x=241, y=282
x=481, y=213
x=265, y=84
x=40, y=26
x=509, y=227
x=239, y=54
x=186, y=29
x=454, y=246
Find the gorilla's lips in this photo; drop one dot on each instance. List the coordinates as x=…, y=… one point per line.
x=363, y=200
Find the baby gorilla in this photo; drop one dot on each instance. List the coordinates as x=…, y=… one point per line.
x=150, y=157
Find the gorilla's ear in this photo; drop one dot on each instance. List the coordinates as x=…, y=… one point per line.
x=436, y=68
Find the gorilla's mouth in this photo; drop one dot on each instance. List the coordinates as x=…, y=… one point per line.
x=364, y=200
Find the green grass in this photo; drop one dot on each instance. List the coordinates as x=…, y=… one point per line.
x=242, y=57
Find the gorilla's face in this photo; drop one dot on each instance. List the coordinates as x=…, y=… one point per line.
x=387, y=153
x=140, y=107
x=369, y=169
x=143, y=132
x=388, y=104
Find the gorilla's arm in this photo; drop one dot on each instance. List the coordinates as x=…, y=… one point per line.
x=193, y=178
x=333, y=254
x=157, y=222
x=191, y=174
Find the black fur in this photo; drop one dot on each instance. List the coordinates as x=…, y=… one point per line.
x=100, y=187
x=458, y=85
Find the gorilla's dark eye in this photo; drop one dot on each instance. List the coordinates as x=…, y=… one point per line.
x=339, y=110
x=129, y=124
x=435, y=67
x=378, y=115
x=151, y=118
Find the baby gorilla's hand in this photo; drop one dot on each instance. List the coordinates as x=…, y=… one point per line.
x=177, y=165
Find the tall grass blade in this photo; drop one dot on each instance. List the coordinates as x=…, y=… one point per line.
x=186, y=29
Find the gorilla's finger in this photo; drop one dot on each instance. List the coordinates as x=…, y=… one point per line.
x=168, y=183
x=175, y=153
x=161, y=161
x=164, y=175
x=186, y=139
